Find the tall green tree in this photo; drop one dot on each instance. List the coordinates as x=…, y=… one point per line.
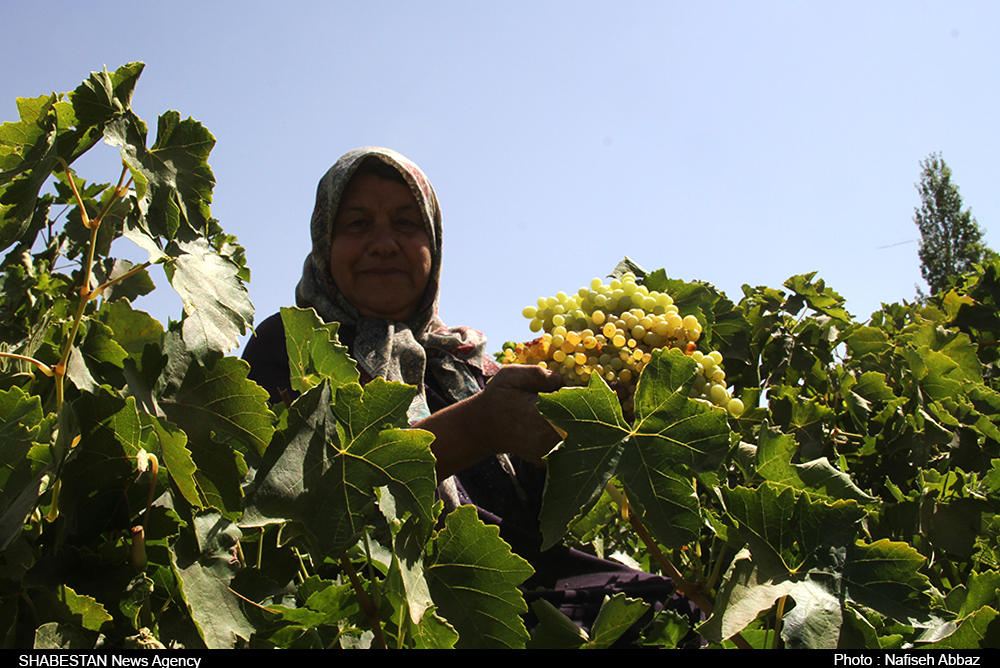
x=951, y=240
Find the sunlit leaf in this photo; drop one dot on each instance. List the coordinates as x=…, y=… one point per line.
x=314, y=351
x=217, y=307
x=474, y=578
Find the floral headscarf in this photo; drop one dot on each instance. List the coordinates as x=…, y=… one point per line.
x=401, y=351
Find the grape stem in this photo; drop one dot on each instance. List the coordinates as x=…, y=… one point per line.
x=688, y=589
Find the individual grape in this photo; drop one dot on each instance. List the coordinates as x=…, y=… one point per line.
x=735, y=407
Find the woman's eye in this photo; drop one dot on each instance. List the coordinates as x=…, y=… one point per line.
x=407, y=224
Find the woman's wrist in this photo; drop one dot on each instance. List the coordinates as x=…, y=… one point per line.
x=462, y=435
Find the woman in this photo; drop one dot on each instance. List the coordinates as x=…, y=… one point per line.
x=374, y=268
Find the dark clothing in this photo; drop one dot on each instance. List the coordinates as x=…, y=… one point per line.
x=573, y=581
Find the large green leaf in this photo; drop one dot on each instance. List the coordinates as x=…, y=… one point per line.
x=885, y=576
x=671, y=432
x=322, y=470
x=616, y=615
x=20, y=417
x=219, y=400
x=20, y=426
x=181, y=182
x=775, y=452
x=818, y=296
x=205, y=565
x=980, y=630
x=27, y=157
x=99, y=470
x=785, y=528
x=588, y=456
x=371, y=453
x=105, y=95
x=217, y=307
x=474, y=579
x=746, y=592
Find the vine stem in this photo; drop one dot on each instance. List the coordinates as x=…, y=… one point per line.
x=131, y=272
x=688, y=589
x=366, y=603
x=780, y=614
x=85, y=292
x=42, y=366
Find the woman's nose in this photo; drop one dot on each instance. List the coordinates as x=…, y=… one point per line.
x=384, y=240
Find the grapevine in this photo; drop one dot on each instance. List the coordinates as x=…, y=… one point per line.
x=612, y=330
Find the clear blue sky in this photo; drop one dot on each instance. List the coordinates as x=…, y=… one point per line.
x=732, y=142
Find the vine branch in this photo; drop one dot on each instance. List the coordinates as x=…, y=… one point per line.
x=366, y=603
x=688, y=589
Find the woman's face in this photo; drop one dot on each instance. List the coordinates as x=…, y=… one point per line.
x=380, y=256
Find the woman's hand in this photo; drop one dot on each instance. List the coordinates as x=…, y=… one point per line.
x=501, y=418
x=509, y=401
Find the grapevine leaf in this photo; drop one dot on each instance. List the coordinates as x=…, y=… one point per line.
x=868, y=341
x=136, y=285
x=219, y=400
x=98, y=473
x=173, y=179
x=671, y=430
x=57, y=636
x=625, y=266
x=373, y=453
x=216, y=305
x=84, y=610
x=20, y=417
x=818, y=296
x=20, y=420
x=581, y=466
x=205, y=565
x=554, y=629
x=133, y=330
x=325, y=481
x=290, y=484
x=207, y=474
x=774, y=464
x=27, y=157
x=314, y=352
x=983, y=589
x=980, y=630
x=785, y=528
x=474, y=578
x=433, y=632
x=181, y=182
x=408, y=562
x=616, y=615
x=939, y=376
x=816, y=620
x=666, y=500
x=681, y=431
x=177, y=459
x=104, y=96
x=885, y=577
x=746, y=592
x=220, y=470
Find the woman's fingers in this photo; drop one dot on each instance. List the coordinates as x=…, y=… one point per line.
x=528, y=377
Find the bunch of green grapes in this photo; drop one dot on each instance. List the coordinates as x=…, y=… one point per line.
x=612, y=329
